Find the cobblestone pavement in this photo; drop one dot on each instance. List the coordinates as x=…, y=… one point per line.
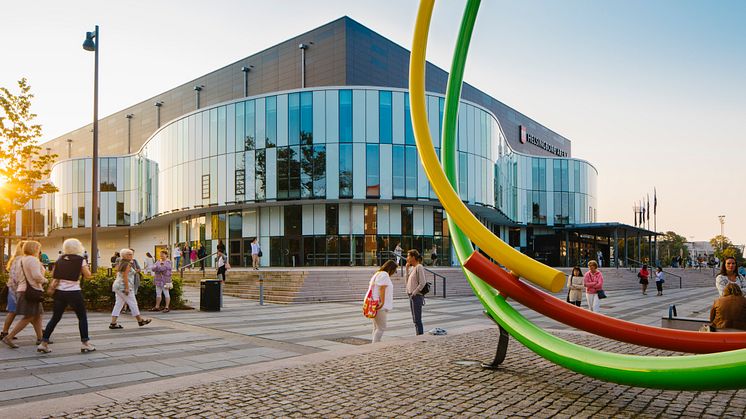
x=423, y=379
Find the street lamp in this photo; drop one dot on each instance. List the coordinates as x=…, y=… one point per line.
x=90, y=45
x=722, y=232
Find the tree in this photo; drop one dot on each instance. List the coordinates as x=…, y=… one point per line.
x=672, y=245
x=724, y=248
x=22, y=167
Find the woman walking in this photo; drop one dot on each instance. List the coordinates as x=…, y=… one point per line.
x=66, y=290
x=162, y=282
x=575, y=285
x=729, y=275
x=14, y=273
x=256, y=251
x=29, y=292
x=123, y=288
x=644, y=275
x=382, y=290
x=415, y=284
x=147, y=264
x=220, y=263
x=192, y=257
x=659, y=280
x=593, y=281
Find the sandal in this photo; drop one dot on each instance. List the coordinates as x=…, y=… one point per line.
x=115, y=326
x=9, y=343
x=87, y=347
x=155, y=309
x=143, y=322
x=166, y=310
x=43, y=349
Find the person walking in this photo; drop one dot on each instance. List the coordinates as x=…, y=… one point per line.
x=29, y=292
x=66, y=291
x=659, y=280
x=220, y=263
x=192, y=257
x=147, y=264
x=14, y=274
x=728, y=275
x=177, y=256
x=383, y=291
x=415, y=284
x=575, y=286
x=600, y=258
x=644, y=274
x=434, y=255
x=256, y=253
x=123, y=287
x=162, y=282
x=201, y=254
x=221, y=246
x=593, y=281
x=114, y=258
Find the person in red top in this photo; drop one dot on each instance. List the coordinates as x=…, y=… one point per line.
x=594, y=282
x=644, y=274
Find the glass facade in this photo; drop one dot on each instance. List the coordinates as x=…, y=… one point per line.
x=330, y=152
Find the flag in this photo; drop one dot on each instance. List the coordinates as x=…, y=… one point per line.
x=635, y=211
x=642, y=212
x=648, y=207
x=655, y=202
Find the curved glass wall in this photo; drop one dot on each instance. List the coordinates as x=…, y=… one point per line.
x=332, y=177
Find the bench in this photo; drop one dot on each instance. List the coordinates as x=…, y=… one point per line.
x=672, y=321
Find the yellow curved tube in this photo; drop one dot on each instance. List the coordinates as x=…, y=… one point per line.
x=538, y=273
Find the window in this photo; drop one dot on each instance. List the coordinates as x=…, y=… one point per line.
x=407, y=220
x=332, y=219
x=283, y=172
x=463, y=176
x=373, y=168
x=384, y=117
x=240, y=124
x=411, y=171
x=398, y=170
x=271, y=122
x=319, y=171
x=261, y=173
x=438, y=221
x=345, y=170
x=240, y=184
x=371, y=219
x=294, y=172
x=345, y=116
x=408, y=134
x=292, y=222
x=222, y=127
x=235, y=225
x=250, y=126
x=306, y=118
x=294, y=118
x=213, y=127
x=205, y=186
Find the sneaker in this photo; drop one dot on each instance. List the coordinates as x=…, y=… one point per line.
x=43, y=348
x=87, y=347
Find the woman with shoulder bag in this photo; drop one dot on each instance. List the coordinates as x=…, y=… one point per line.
x=30, y=292
x=382, y=290
x=644, y=274
x=594, y=283
x=415, y=283
x=66, y=290
x=162, y=282
x=123, y=288
x=14, y=274
x=575, y=285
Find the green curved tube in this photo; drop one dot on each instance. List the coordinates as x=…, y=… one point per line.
x=726, y=370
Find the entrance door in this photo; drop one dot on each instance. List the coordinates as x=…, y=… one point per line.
x=235, y=251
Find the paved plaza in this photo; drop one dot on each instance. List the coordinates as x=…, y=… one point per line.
x=313, y=360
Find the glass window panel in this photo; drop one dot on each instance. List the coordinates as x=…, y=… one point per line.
x=407, y=221
x=408, y=133
x=294, y=172
x=294, y=118
x=332, y=219
x=411, y=171
x=397, y=166
x=306, y=173
x=345, y=116
x=282, y=172
x=213, y=132
x=240, y=121
x=373, y=167
x=319, y=171
x=384, y=117
x=271, y=122
x=250, y=126
x=293, y=220
x=235, y=226
x=306, y=118
x=345, y=170
x=371, y=219
x=261, y=172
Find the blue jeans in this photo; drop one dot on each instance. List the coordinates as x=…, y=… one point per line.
x=61, y=300
x=415, y=304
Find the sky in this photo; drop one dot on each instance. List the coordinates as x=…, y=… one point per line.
x=651, y=93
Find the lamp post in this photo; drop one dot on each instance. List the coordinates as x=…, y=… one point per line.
x=90, y=45
x=722, y=232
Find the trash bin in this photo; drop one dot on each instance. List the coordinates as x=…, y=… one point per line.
x=209, y=295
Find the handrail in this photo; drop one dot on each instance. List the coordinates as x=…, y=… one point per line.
x=671, y=273
x=181, y=270
x=435, y=282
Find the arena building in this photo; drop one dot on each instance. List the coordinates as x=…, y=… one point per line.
x=308, y=146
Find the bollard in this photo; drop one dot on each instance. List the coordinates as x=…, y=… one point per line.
x=261, y=289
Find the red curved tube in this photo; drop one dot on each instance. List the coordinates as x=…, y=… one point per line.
x=621, y=330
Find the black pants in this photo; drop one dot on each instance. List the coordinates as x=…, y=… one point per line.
x=415, y=304
x=659, y=286
x=221, y=271
x=61, y=300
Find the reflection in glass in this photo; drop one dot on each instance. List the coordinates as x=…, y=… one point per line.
x=373, y=168
x=397, y=167
x=411, y=171
x=250, y=126
x=384, y=117
x=271, y=122
x=345, y=116
x=294, y=118
x=345, y=170
x=306, y=118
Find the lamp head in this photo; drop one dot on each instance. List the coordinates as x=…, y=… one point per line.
x=88, y=44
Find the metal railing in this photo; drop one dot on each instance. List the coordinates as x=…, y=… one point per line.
x=192, y=264
x=435, y=282
x=638, y=263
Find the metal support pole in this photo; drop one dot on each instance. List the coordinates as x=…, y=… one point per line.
x=616, y=248
x=94, y=177
x=303, y=48
x=261, y=289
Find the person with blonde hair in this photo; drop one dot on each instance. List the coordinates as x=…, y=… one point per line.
x=382, y=291
x=66, y=290
x=13, y=274
x=31, y=277
x=594, y=282
x=123, y=288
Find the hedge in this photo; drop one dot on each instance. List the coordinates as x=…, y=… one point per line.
x=98, y=295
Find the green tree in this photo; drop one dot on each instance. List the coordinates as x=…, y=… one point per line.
x=724, y=248
x=22, y=167
x=670, y=246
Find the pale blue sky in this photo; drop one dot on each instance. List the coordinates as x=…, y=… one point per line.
x=651, y=93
